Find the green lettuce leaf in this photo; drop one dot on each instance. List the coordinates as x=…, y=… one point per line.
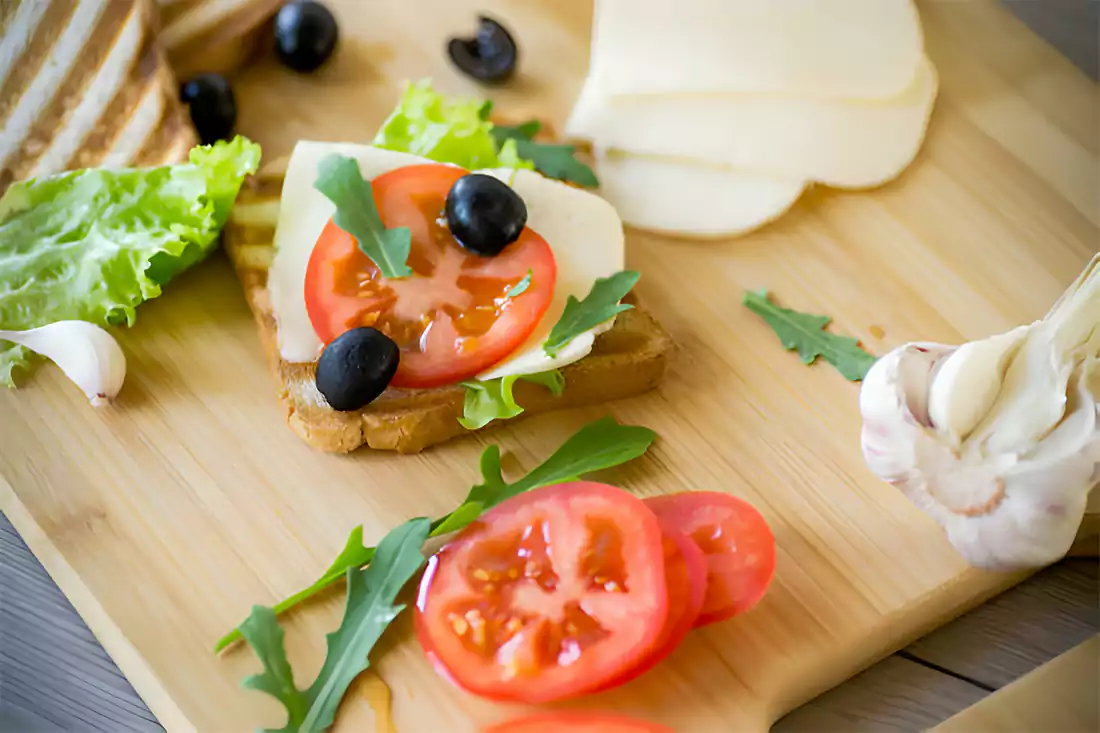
x=432, y=126
x=492, y=399
x=94, y=244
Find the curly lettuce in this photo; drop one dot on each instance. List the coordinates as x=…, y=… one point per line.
x=427, y=124
x=492, y=399
x=94, y=244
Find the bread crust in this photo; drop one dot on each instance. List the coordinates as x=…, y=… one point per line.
x=628, y=359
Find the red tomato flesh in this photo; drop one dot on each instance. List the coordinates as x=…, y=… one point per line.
x=686, y=584
x=577, y=723
x=453, y=317
x=737, y=542
x=548, y=595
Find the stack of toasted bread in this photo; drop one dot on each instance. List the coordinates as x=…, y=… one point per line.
x=84, y=83
x=90, y=82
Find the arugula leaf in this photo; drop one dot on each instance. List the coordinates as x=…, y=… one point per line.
x=265, y=636
x=521, y=287
x=553, y=161
x=492, y=399
x=599, y=306
x=597, y=446
x=354, y=555
x=525, y=130
x=370, y=609
x=461, y=517
x=802, y=332
x=339, y=179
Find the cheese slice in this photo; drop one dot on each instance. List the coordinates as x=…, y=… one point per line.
x=690, y=199
x=842, y=144
x=587, y=238
x=582, y=229
x=832, y=49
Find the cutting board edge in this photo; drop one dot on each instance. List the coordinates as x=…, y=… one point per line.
x=885, y=639
x=129, y=660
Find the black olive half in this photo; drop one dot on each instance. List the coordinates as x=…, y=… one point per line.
x=490, y=56
x=484, y=214
x=305, y=34
x=213, y=107
x=356, y=367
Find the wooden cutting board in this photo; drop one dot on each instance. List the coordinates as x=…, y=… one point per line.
x=166, y=516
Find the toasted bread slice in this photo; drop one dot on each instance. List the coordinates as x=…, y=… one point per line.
x=84, y=83
x=628, y=359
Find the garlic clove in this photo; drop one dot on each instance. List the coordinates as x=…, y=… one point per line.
x=967, y=384
x=88, y=355
x=1036, y=384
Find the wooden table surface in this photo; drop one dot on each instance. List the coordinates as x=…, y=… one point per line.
x=1060, y=695
x=53, y=675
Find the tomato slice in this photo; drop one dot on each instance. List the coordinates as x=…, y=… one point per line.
x=576, y=723
x=686, y=584
x=737, y=542
x=453, y=317
x=546, y=596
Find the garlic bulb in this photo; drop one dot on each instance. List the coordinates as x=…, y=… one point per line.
x=997, y=440
x=85, y=352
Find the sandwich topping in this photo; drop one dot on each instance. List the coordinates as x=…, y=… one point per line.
x=454, y=315
x=484, y=215
x=357, y=367
x=480, y=270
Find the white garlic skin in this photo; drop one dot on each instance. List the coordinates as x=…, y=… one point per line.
x=1000, y=511
x=997, y=440
x=86, y=353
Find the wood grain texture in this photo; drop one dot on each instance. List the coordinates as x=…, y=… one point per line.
x=164, y=517
x=981, y=645
x=1059, y=697
x=894, y=695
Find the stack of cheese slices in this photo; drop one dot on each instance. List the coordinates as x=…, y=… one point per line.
x=710, y=117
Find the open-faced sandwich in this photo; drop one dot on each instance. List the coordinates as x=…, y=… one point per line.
x=432, y=282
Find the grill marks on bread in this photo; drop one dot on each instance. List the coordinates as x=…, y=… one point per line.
x=83, y=83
